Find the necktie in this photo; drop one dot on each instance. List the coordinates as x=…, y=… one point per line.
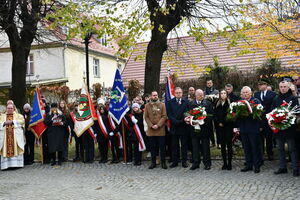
x=262, y=95
x=179, y=101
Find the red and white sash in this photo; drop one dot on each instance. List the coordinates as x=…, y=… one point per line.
x=113, y=127
x=102, y=127
x=142, y=146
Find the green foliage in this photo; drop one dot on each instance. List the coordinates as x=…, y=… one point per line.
x=268, y=69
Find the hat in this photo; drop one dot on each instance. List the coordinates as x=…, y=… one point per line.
x=27, y=106
x=135, y=105
x=100, y=101
x=53, y=105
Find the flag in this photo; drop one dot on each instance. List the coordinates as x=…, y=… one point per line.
x=37, y=115
x=169, y=94
x=118, y=105
x=85, y=116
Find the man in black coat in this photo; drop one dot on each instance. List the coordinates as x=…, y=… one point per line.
x=200, y=140
x=175, y=111
x=286, y=136
x=249, y=129
x=266, y=97
x=231, y=95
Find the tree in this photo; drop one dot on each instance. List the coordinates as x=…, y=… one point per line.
x=274, y=27
x=161, y=17
x=19, y=20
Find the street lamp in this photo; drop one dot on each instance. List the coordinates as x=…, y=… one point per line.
x=87, y=42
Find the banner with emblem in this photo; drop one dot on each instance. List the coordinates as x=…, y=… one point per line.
x=37, y=115
x=86, y=114
x=118, y=105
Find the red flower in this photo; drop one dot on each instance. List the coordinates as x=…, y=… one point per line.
x=252, y=102
x=284, y=103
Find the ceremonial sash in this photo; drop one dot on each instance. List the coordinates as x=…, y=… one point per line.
x=119, y=136
x=102, y=127
x=142, y=146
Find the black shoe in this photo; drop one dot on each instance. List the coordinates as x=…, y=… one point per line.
x=173, y=165
x=152, y=166
x=59, y=163
x=185, y=165
x=229, y=167
x=207, y=167
x=103, y=161
x=246, y=169
x=163, y=165
x=76, y=159
x=137, y=163
x=256, y=170
x=115, y=161
x=53, y=163
x=281, y=171
x=295, y=172
x=194, y=166
x=224, y=167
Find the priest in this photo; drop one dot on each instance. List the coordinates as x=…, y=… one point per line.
x=12, y=139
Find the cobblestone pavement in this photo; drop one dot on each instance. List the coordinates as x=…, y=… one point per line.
x=122, y=182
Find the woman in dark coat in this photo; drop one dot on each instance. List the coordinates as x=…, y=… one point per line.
x=102, y=139
x=56, y=122
x=224, y=129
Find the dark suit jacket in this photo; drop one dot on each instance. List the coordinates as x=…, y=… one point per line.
x=205, y=128
x=267, y=100
x=175, y=112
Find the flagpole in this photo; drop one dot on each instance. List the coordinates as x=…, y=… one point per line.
x=42, y=152
x=124, y=143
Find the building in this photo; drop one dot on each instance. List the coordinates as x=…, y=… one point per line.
x=187, y=58
x=58, y=61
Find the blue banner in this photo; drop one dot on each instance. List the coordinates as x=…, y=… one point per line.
x=118, y=105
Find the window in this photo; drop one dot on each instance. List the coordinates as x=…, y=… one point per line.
x=103, y=40
x=30, y=66
x=96, y=67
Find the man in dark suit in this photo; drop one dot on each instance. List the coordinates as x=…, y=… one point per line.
x=266, y=97
x=175, y=110
x=200, y=140
x=249, y=129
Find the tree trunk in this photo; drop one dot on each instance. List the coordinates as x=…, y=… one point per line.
x=18, y=85
x=155, y=50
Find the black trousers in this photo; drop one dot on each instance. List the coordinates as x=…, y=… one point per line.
x=225, y=138
x=66, y=148
x=46, y=154
x=102, y=146
x=79, y=148
x=60, y=156
x=168, y=143
x=115, y=151
x=157, y=144
x=133, y=150
x=176, y=148
x=267, y=139
x=252, y=149
x=201, y=146
x=29, y=147
x=89, y=147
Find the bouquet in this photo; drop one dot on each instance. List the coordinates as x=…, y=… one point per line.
x=244, y=109
x=195, y=117
x=212, y=97
x=282, y=117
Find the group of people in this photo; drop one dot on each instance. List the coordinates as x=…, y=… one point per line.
x=164, y=129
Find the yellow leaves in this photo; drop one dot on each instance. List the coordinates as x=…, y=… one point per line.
x=161, y=28
x=289, y=74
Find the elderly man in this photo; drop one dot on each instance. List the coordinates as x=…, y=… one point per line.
x=286, y=136
x=12, y=139
x=200, y=141
x=249, y=129
x=155, y=116
x=176, y=109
